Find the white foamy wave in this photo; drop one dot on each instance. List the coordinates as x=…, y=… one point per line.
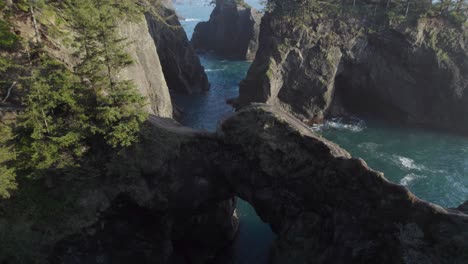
x=410, y=178
x=213, y=70
x=408, y=163
x=191, y=19
x=369, y=147
x=353, y=125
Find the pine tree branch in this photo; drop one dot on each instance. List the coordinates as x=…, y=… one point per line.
x=9, y=92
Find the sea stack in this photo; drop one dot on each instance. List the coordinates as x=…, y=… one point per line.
x=232, y=31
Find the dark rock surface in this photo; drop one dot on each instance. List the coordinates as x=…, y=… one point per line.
x=169, y=199
x=181, y=66
x=328, y=207
x=161, y=200
x=415, y=74
x=232, y=31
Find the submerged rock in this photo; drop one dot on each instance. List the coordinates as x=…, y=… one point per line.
x=232, y=30
x=414, y=73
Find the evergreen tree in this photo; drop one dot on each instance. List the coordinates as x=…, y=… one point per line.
x=53, y=127
x=7, y=156
x=119, y=107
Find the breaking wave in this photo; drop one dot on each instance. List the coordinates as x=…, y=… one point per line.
x=408, y=163
x=353, y=125
x=410, y=178
x=191, y=19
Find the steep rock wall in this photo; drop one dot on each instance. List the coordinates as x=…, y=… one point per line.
x=413, y=74
x=146, y=70
x=181, y=65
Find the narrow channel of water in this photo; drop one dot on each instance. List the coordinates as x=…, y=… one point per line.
x=206, y=110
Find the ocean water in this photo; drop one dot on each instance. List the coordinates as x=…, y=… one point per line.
x=433, y=165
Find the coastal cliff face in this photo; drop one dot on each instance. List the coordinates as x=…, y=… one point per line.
x=232, y=31
x=146, y=70
x=414, y=73
x=181, y=66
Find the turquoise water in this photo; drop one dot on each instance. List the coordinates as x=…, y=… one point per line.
x=433, y=165
x=205, y=111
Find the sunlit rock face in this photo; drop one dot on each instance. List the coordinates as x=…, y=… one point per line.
x=232, y=31
x=414, y=74
x=146, y=70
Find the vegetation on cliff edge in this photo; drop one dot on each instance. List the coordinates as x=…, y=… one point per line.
x=66, y=114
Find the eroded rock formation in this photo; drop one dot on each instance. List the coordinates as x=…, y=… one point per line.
x=415, y=74
x=232, y=30
x=169, y=198
x=328, y=207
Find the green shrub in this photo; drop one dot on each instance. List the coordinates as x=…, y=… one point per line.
x=8, y=40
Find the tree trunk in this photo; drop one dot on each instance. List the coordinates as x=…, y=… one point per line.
x=407, y=8
x=9, y=92
x=33, y=17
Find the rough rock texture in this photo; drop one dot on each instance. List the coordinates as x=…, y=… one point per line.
x=146, y=70
x=414, y=74
x=180, y=63
x=327, y=207
x=232, y=30
x=169, y=200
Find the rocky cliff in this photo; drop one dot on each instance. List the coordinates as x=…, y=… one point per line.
x=181, y=66
x=232, y=30
x=328, y=207
x=168, y=199
x=146, y=70
x=408, y=72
